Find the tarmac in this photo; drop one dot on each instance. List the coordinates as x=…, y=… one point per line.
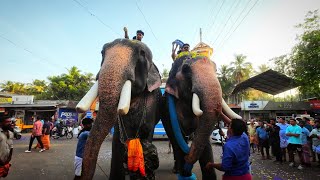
x=57, y=163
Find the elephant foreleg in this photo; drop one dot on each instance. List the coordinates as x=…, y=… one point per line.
x=206, y=157
x=117, y=170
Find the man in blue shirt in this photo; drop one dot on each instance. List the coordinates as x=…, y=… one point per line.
x=263, y=138
x=236, y=152
x=294, y=134
x=82, y=136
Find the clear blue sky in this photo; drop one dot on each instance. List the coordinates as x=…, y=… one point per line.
x=41, y=38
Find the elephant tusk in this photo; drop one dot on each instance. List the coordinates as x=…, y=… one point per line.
x=87, y=100
x=231, y=114
x=196, y=105
x=125, y=98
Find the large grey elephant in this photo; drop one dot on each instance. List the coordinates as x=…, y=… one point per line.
x=196, y=103
x=129, y=96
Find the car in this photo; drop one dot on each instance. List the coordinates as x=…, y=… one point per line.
x=215, y=136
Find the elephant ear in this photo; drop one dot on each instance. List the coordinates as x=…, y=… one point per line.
x=171, y=85
x=154, y=79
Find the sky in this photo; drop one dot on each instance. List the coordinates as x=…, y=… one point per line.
x=41, y=38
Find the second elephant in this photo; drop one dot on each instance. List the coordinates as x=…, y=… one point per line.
x=197, y=104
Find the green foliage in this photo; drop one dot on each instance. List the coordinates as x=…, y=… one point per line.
x=165, y=75
x=71, y=86
x=303, y=64
x=241, y=69
x=14, y=87
x=226, y=81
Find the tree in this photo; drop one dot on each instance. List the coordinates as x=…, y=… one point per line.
x=305, y=56
x=14, y=87
x=226, y=81
x=303, y=63
x=71, y=86
x=241, y=71
x=262, y=68
x=165, y=75
x=38, y=88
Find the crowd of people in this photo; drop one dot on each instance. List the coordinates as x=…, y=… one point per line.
x=299, y=137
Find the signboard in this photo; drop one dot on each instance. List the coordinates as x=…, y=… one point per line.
x=70, y=116
x=315, y=104
x=253, y=105
x=88, y=114
x=4, y=100
x=2, y=109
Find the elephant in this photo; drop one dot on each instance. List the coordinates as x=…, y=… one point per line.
x=129, y=99
x=192, y=84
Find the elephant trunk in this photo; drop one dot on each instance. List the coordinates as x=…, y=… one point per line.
x=111, y=80
x=207, y=87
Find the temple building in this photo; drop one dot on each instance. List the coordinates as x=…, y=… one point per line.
x=202, y=48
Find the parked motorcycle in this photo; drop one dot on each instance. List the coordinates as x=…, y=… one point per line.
x=17, y=132
x=65, y=131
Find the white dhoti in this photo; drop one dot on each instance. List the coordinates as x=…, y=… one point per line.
x=77, y=165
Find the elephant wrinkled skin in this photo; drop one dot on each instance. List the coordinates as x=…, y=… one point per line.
x=123, y=60
x=194, y=77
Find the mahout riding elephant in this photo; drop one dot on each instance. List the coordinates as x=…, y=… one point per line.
x=129, y=97
x=194, y=104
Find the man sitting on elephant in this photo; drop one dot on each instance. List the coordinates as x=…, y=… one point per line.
x=138, y=37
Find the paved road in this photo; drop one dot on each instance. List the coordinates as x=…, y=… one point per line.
x=57, y=163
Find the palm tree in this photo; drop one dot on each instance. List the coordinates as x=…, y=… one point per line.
x=241, y=69
x=262, y=68
x=226, y=81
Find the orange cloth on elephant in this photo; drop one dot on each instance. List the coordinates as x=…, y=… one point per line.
x=4, y=170
x=45, y=141
x=135, y=156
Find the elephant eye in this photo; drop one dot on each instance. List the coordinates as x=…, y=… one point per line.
x=142, y=53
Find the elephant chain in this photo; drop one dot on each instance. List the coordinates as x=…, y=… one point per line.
x=122, y=129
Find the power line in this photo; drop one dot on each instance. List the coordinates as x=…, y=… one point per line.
x=92, y=14
x=226, y=22
x=241, y=21
x=215, y=17
x=43, y=60
x=229, y=10
x=145, y=19
x=235, y=22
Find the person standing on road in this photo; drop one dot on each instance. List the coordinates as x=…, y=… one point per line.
x=82, y=136
x=315, y=135
x=263, y=139
x=6, y=145
x=36, y=134
x=236, y=152
x=304, y=142
x=45, y=138
x=294, y=133
x=274, y=132
x=252, y=135
x=283, y=138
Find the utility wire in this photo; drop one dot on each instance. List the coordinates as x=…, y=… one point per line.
x=92, y=14
x=215, y=17
x=145, y=19
x=226, y=22
x=228, y=11
x=43, y=60
x=241, y=21
x=235, y=22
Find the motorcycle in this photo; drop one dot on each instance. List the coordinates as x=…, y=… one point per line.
x=17, y=132
x=65, y=131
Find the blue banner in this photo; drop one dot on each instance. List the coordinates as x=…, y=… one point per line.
x=70, y=116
